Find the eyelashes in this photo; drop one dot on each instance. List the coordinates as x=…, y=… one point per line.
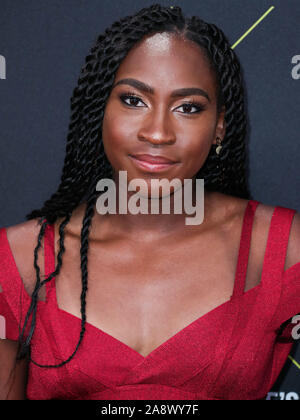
x=190, y=104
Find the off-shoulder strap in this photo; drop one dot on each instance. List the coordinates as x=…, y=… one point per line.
x=14, y=299
x=10, y=279
x=286, y=288
x=245, y=241
x=278, y=237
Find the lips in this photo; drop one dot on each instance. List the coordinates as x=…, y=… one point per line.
x=151, y=163
x=154, y=159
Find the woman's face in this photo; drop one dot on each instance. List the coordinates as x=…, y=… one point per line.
x=151, y=111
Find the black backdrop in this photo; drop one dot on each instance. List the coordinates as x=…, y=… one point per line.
x=43, y=44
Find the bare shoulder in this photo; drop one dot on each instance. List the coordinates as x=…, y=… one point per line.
x=235, y=208
x=21, y=233
x=23, y=239
x=231, y=214
x=230, y=207
x=293, y=251
x=262, y=222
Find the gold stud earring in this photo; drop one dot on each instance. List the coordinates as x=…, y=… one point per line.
x=219, y=147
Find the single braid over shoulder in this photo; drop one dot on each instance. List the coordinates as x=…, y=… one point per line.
x=85, y=160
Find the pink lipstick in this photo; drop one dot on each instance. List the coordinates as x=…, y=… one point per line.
x=152, y=163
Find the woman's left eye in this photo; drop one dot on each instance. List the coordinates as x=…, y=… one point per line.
x=199, y=107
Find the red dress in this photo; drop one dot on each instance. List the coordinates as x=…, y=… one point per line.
x=234, y=351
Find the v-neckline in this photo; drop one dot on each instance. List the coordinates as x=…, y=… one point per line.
x=166, y=342
x=237, y=288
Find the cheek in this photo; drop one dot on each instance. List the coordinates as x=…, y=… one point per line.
x=196, y=158
x=117, y=131
x=197, y=148
x=110, y=134
x=116, y=137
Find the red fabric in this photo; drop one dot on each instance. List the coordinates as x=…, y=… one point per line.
x=232, y=352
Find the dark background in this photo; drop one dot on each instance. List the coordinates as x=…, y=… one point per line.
x=45, y=43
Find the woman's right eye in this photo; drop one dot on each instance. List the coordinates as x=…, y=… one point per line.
x=130, y=98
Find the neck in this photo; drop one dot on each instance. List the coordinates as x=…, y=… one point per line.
x=195, y=212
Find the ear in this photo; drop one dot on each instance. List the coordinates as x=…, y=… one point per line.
x=220, y=126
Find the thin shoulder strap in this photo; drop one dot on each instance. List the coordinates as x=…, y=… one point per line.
x=245, y=241
x=49, y=256
x=277, y=243
x=10, y=279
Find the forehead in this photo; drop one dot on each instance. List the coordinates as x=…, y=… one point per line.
x=163, y=59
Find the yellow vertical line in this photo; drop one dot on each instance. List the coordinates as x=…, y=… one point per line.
x=253, y=26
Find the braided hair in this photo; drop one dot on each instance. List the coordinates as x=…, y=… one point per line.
x=85, y=160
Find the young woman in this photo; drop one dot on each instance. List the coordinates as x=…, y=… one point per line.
x=144, y=306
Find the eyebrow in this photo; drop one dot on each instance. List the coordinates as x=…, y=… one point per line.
x=148, y=89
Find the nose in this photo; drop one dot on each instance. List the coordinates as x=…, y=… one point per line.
x=157, y=129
